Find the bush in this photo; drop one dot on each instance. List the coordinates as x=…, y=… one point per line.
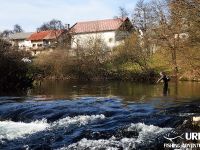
x=55, y=64
x=94, y=62
x=15, y=73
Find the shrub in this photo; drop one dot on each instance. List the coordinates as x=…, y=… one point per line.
x=15, y=73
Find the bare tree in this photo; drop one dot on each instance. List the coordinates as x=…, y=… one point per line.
x=189, y=40
x=54, y=24
x=58, y=29
x=142, y=16
x=173, y=28
x=43, y=27
x=123, y=13
x=144, y=22
x=17, y=29
x=167, y=29
x=6, y=33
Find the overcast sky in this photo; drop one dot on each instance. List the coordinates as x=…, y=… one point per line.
x=30, y=14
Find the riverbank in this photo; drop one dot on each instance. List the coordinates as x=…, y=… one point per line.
x=133, y=77
x=107, y=67
x=190, y=76
x=143, y=77
x=91, y=64
x=70, y=69
x=90, y=68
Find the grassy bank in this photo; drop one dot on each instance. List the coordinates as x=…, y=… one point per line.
x=59, y=65
x=65, y=67
x=129, y=61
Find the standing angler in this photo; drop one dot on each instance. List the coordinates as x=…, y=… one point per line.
x=165, y=80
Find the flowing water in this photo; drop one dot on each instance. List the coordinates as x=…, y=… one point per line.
x=65, y=115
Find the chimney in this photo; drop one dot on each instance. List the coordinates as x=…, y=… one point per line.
x=67, y=26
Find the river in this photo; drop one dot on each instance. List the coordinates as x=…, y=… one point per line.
x=65, y=115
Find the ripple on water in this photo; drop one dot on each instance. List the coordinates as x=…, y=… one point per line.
x=10, y=130
x=145, y=133
x=86, y=123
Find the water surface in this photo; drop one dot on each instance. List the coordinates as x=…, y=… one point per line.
x=96, y=115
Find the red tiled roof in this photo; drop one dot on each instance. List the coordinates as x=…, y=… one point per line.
x=98, y=26
x=45, y=35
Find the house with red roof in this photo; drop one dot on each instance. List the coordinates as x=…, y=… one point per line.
x=111, y=31
x=44, y=39
x=20, y=40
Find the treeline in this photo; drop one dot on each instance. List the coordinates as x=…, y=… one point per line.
x=166, y=37
x=6, y=33
x=170, y=34
x=95, y=61
x=53, y=24
x=169, y=30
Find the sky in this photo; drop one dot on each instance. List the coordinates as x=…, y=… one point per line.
x=31, y=14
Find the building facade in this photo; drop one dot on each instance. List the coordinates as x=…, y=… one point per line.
x=111, y=31
x=44, y=39
x=21, y=41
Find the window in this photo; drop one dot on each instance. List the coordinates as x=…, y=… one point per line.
x=110, y=40
x=39, y=45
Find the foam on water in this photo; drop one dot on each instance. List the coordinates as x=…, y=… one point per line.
x=186, y=114
x=110, y=144
x=145, y=132
x=79, y=120
x=10, y=130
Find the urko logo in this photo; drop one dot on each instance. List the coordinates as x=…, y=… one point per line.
x=188, y=136
x=192, y=136
x=174, y=138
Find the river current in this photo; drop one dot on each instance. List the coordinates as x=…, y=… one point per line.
x=118, y=116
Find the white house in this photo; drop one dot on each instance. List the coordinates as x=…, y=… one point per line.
x=21, y=40
x=112, y=31
x=44, y=38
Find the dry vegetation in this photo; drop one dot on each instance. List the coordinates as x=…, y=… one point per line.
x=15, y=73
x=166, y=37
x=94, y=61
